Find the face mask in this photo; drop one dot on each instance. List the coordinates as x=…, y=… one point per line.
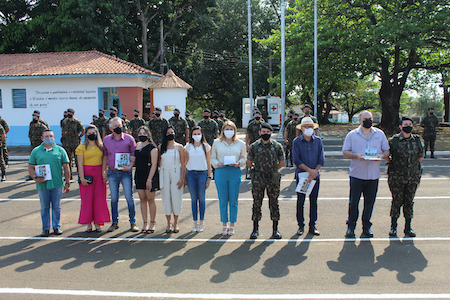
x=229, y=133
x=118, y=130
x=49, y=141
x=295, y=119
x=65, y=116
x=206, y=117
x=170, y=137
x=431, y=113
x=257, y=118
x=308, y=132
x=136, y=116
x=35, y=121
x=307, y=112
x=215, y=117
x=92, y=136
x=101, y=115
x=197, y=137
x=187, y=116
x=142, y=138
x=367, y=123
x=69, y=116
x=157, y=115
x=290, y=117
x=407, y=129
x=176, y=115
x=112, y=115
x=265, y=136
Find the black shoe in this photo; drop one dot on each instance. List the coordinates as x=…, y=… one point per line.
x=3, y=178
x=350, y=233
x=113, y=227
x=313, y=230
x=409, y=232
x=393, y=232
x=432, y=155
x=367, y=233
x=57, y=231
x=45, y=233
x=254, y=235
x=28, y=178
x=276, y=235
x=300, y=230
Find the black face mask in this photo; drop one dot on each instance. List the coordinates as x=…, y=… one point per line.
x=101, y=115
x=92, y=136
x=290, y=117
x=215, y=117
x=257, y=118
x=295, y=119
x=142, y=138
x=431, y=113
x=407, y=129
x=112, y=115
x=157, y=115
x=367, y=123
x=69, y=116
x=170, y=137
x=118, y=130
x=265, y=136
x=206, y=117
x=65, y=116
x=35, y=121
x=136, y=116
x=187, y=116
x=176, y=115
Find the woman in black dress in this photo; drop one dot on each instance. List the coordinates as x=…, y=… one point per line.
x=146, y=176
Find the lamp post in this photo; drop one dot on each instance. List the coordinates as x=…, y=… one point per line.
x=270, y=71
x=446, y=88
x=250, y=74
x=315, y=58
x=283, y=68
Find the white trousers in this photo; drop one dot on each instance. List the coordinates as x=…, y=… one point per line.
x=172, y=197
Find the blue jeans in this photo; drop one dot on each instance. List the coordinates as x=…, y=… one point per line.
x=312, y=206
x=228, y=184
x=53, y=197
x=126, y=178
x=196, y=181
x=369, y=190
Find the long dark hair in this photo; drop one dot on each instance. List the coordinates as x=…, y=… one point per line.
x=98, y=141
x=164, y=139
x=203, y=141
x=147, y=131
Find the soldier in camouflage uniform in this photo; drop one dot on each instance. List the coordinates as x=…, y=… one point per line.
x=125, y=124
x=307, y=110
x=113, y=111
x=2, y=162
x=210, y=127
x=4, y=149
x=157, y=126
x=135, y=124
x=40, y=120
x=94, y=119
x=404, y=172
x=35, y=131
x=101, y=123
x=289, y=135
x=289, y=117
x=222, y=116
x=253, y=129
x=181, y=127
x=265, y=157
x=72, y=131
x=215, y=117
x=191, y=123
x=429, y=124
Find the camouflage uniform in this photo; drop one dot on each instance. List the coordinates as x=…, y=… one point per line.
x=191, y=124
x=219, y=124
x=135, y=124
x=35, y=133
x=3, y=146
x=253, y=131
x=287, y=150
x=42, y=122
x=404, y=172
x=71, y=131
x=265, y=176
x=429, y=131
x=125, y=125
x=2, y=162
x=180, y=126
x=291, y=130
x=101, y=124
x=210, y=129
x=157, y=127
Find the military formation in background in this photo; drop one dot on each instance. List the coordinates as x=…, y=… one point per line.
x=209, y=126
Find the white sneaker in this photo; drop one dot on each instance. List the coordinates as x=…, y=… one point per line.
x=200, y=227
x=224, y=230
x=194, y=228
x=231, y=230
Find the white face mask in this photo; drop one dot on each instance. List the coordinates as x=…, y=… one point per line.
x=308, y=132
x=229, y=133
x=197, y=137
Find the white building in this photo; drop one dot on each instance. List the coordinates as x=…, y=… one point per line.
x=52, y=82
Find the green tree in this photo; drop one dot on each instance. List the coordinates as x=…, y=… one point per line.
x=14, y=33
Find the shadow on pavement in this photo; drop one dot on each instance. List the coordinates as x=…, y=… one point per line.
x=239, y=260
x=404, y=258
x=355, y=261
x=290, y=255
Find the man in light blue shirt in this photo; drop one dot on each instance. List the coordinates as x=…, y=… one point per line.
x=366, y=146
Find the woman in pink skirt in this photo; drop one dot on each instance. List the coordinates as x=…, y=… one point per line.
x=94, y=208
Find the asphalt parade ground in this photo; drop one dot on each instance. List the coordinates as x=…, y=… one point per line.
x=206, y=265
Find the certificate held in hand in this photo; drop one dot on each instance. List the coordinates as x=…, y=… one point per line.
x=229, y=160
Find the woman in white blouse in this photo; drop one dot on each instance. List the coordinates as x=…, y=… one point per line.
x=228, y=155
x=198, y=176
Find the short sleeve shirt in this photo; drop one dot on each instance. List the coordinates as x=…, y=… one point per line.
x=55, y=157
x=92, y=155
x=356, y=142
x=111, y=146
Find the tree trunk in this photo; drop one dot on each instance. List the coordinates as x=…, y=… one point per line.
x=390, y=107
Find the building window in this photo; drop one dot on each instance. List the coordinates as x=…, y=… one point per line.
x=105, y=100
x=19, y=98
x=1, y=101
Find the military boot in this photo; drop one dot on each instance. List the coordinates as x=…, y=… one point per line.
x=393, y=231
x=432, y=154
x=276, y=234
x=255, y=232
x=408, y=230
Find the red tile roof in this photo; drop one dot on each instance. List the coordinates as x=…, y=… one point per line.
x=170, y=80
x=67, y=63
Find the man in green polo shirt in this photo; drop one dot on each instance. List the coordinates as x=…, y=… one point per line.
x=45, y=167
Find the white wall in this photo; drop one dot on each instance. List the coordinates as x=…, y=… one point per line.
x=168, y=100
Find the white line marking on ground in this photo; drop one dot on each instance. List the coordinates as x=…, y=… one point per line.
x=240, y=199
x=145, y=238
x=31, y=291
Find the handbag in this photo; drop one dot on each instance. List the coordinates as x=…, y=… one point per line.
x=90, y=179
